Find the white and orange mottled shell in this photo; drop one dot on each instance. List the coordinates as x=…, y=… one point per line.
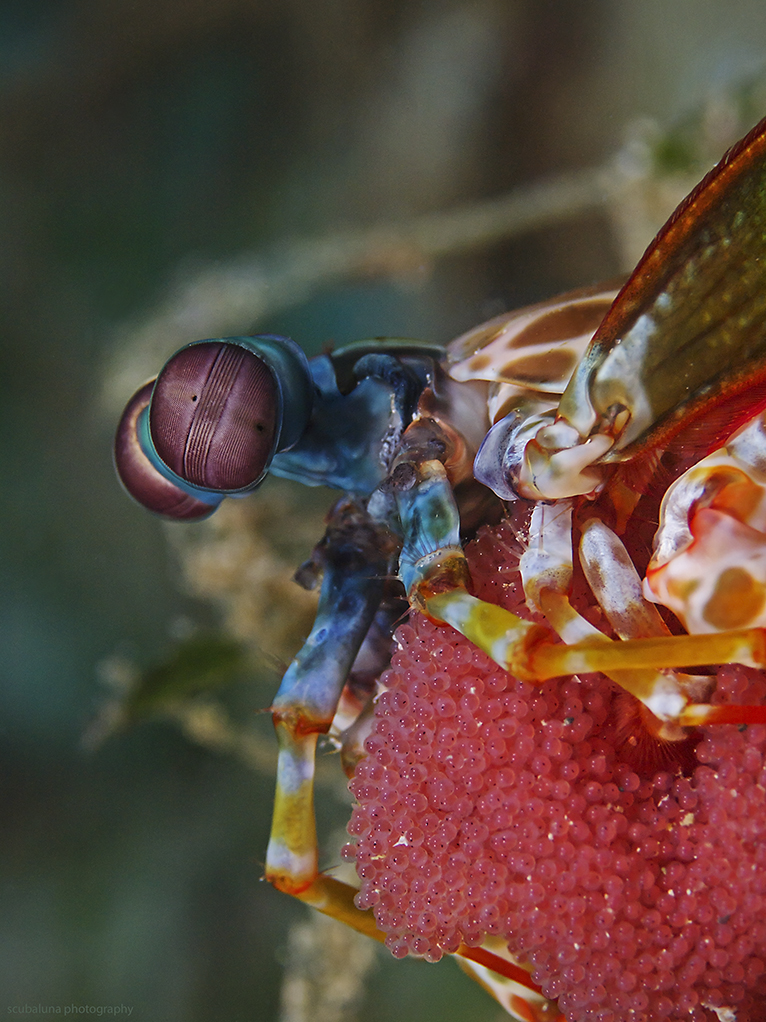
x=530, y=353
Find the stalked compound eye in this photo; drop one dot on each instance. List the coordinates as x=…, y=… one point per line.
x=213, y=416
x=140, y=477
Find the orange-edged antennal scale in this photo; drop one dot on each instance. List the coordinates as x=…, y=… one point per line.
x=559, y=761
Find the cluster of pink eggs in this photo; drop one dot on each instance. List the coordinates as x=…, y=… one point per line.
x=628, y=875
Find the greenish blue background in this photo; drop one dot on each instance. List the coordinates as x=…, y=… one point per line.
x=139, y=140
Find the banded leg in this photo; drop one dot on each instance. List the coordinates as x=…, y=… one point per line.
x=355, y=556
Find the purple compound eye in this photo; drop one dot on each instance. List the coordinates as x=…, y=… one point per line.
x=213, y=416
x=139, y=476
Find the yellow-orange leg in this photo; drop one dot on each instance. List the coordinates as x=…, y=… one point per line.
x=527, y=651
x=355, y=557
x=291, y=856
x=491, y=964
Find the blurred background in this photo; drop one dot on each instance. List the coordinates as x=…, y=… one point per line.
x=171, y=170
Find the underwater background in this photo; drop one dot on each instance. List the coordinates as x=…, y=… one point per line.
x=156, y=159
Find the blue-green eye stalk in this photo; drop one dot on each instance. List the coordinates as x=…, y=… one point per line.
x=211, y=423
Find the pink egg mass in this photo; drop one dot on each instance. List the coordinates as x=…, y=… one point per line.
x=627, y=873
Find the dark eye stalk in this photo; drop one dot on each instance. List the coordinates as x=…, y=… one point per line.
x=210, y=424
